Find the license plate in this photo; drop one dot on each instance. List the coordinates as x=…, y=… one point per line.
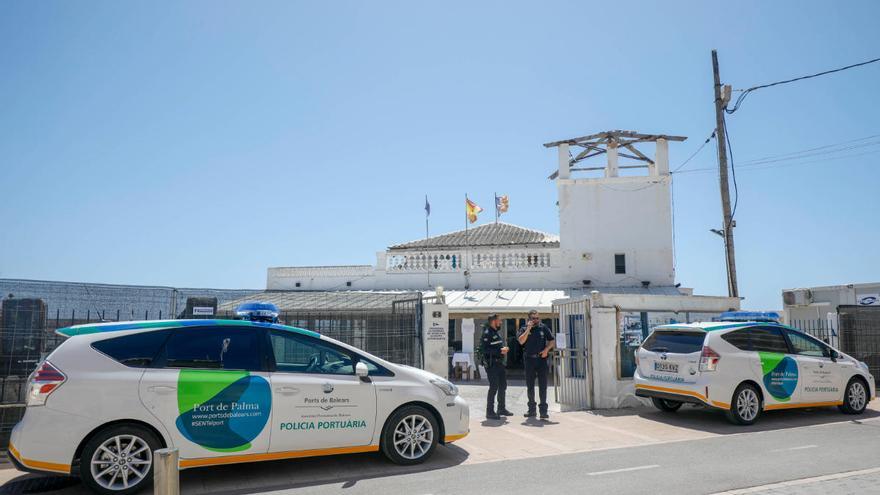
x=664, y=366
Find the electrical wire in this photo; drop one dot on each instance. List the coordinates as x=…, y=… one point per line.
x=748, y=91
x=695, y=152
x=732, y=169
x=777, y=165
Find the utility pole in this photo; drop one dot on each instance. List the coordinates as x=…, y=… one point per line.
x=722, y=95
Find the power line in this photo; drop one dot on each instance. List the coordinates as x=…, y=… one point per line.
x=746, y=92
x=695, y=152
x=732, y=171
x=814, y=149
x=777, y=165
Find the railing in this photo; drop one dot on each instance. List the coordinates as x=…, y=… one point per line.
x=456, y=261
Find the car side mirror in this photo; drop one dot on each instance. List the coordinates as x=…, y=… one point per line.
x=361, y=370
x=835, y=355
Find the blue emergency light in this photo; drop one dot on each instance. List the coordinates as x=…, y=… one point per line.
x=257, y=311
x=770, y=316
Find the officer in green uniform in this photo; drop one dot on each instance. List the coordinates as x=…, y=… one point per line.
x=494, y=352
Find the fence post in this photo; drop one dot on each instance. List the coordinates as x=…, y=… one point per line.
x=166, y=475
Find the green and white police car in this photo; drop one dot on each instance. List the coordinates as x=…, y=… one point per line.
x=221, y=392
x=746, y=368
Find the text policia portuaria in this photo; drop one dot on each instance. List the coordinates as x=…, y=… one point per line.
x=324, y=425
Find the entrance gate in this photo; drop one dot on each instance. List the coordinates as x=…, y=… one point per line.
x=571, y=366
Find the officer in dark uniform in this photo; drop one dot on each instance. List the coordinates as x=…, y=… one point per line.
x=537, y=342
x=494, y=352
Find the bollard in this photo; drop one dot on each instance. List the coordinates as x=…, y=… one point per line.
x=166, y=473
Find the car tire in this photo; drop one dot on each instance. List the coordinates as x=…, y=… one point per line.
x=410, y=435
x=666, y=405
x=855, y=397
x=136, y=470
x=746, y=406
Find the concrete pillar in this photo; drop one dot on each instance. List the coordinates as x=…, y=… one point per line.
x=564, y=161
x=435, y=338
x=661, y=158
x=612, y=169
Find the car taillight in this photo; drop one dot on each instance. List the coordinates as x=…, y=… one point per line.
x=43, y=382
x=709, y=359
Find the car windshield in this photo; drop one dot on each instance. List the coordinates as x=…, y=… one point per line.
x=677, y=342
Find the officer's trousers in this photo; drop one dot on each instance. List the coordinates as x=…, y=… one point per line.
x=536, y=367
x=497, y=376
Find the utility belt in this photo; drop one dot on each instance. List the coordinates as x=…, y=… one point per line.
x=489, y=361
x=532, y=356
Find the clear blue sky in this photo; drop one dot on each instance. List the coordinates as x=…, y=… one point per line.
x=197, y=143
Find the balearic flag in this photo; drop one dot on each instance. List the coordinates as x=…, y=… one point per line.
x=427, y=207
x=502, y=203
x=472, y=210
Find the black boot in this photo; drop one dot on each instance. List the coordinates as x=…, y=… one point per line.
x=491, y=415
x=530, y=413
x=502, y=411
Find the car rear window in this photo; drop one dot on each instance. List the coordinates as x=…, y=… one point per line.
x=137, y=350
x=677, y=342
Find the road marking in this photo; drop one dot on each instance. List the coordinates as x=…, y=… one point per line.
x=623, y=470
x=802, y=481
x=802, y=447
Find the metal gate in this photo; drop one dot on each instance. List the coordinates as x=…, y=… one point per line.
x=571, y=365
x=860, y=334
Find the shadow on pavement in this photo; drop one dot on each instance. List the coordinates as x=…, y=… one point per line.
x=241, y=479
x=714, y=421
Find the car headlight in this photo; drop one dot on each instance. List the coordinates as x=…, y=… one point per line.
x=864, y=366
x=445, y=386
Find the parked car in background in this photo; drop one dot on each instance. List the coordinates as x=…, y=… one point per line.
x=221, y=392
x=746, y=368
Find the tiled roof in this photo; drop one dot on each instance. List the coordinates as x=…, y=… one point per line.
x=490, y=234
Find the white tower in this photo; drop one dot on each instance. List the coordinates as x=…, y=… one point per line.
x=615, y=220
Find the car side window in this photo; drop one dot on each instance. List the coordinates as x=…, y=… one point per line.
x=136, y=350
x=768, y=339
x=806, y=346
x=300, y=354
x=225, y=348
x=739, y=339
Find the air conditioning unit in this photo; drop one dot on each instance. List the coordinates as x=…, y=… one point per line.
x=797, y=297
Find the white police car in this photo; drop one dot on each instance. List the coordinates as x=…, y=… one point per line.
x=746, y=368
x=222, y=392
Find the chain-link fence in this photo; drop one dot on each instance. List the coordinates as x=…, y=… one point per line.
x=385, y=324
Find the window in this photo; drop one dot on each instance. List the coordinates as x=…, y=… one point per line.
x=806, y=346
x=619, y=263
x=768, y=339
x=675, y=342
x=225, y=348
x=739, y=339
x=299, y=354
x=137, y=351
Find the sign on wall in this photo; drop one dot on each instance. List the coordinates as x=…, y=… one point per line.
x=868, y=300
x=203, y=311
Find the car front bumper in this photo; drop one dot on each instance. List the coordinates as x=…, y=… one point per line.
x=456, y=419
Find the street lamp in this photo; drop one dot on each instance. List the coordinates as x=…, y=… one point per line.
x=719, y=233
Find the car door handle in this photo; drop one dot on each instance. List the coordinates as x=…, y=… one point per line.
x=162, y=389
x=328, y=388
x=287, y=390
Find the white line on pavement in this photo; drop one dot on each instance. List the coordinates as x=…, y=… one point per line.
x=803, y=481
x=612, y=471
x=802, y=447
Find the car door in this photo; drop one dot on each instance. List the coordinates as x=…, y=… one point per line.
x=210, y=389
x=319, y=402
x=821, y=376
x=776, y=365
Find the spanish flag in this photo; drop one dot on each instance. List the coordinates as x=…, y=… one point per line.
x=472, y=210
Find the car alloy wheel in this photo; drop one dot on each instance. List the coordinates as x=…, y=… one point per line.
x=413, y=436
x=747, y=404
x=857, y=395
x=121, y=462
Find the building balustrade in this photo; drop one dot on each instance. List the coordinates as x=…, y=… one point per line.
x=476, y=261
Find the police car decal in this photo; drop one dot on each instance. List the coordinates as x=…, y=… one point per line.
x=780, y=375
x=222, y=411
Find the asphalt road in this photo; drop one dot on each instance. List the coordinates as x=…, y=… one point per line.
x=689, y=467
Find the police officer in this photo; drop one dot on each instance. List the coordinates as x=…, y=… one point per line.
x=537, y=342
x=494, y=352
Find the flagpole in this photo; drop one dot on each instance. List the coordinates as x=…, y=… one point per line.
x=427, y=236
x=467, y=241
x=497, y=251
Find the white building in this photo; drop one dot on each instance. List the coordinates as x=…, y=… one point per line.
x=615, y=232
